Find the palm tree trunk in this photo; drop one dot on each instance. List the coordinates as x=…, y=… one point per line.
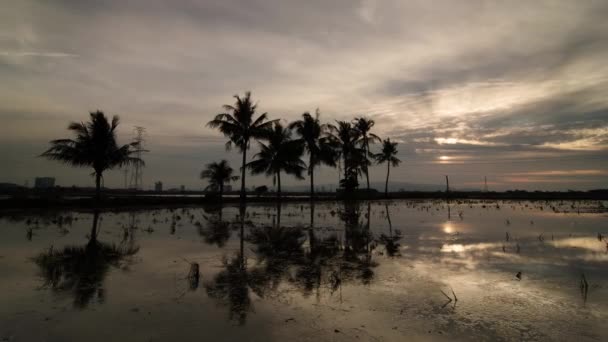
x=312, y=181
x=366, y=166
x=221, y=191
x=345, y=170
x=93, y=238
x=243, y=193
x=388, y=172
x=278, y=185
x=388, y=217
x=242, y=237
x=97, y=186
x=278, y=214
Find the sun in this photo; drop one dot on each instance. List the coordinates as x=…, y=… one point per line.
x=444, y=158
x=448, y=228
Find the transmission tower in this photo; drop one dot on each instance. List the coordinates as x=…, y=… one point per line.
x=138, y=168
x=485, y=184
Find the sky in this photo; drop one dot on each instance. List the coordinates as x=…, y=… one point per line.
x=515, y=91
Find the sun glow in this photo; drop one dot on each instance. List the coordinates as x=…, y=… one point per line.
x=448, y=228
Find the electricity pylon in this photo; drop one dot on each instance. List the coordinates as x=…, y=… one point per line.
x=137, y=173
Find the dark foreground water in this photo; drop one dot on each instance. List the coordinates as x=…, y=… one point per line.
x=379, y=271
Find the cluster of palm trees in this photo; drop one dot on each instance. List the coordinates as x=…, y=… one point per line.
x=345, y=145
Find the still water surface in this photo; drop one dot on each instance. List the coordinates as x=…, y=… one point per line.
x=379, y=271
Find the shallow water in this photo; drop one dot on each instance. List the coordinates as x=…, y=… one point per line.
x=379, y=271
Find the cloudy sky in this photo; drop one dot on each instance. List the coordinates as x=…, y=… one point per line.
x=513, y=90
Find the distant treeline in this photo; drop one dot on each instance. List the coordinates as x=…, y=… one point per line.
x=80, y=198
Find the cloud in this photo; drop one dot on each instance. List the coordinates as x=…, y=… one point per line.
x=37, y=54
x=498, y=85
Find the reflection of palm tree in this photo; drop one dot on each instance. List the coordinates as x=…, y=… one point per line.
x=277, y=248
x=357, y=253
x=388, y=155
x=216, y=231
x=281, y=256
x=239, y=125
x=277, y=241
x=218, y=174
x=390, y=242
x=95, y=146
x=232, y=284
x=317, y=261
x=313, y=135
x=82, y=270
x=364, y=127
x=281, y=154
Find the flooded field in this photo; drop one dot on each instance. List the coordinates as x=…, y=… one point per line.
x=379, y=271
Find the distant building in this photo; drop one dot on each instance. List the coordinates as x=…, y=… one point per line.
x=44, y=182
x=182, y=188
x=9, y=186
x=158, y=186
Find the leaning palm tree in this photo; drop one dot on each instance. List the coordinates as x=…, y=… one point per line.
x=388, y=155
x=280, y=154
x=313, y=135
x=364, y=126
x=218, y=174
x=239, y=125
x=95, y=146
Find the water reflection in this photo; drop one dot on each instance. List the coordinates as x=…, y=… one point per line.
x=390, y=241
x=216, y=231
x=341, y=255
x=231, y=285
x=81, y=270
x=287, y=256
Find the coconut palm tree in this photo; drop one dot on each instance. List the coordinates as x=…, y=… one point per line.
x=313, y=135
x=95, y=146
x=280, y=154
x=218, y=174
x=364, y=126
x=239, y=124
x=344, y=138
x=388, y=155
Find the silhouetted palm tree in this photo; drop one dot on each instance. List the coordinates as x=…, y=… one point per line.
x=239, y=125
x=281, y=154
x=364, y=126
x=320, y=151
x=344, y=138
x=218, y=174
x=388, y=155
x=94, y=146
